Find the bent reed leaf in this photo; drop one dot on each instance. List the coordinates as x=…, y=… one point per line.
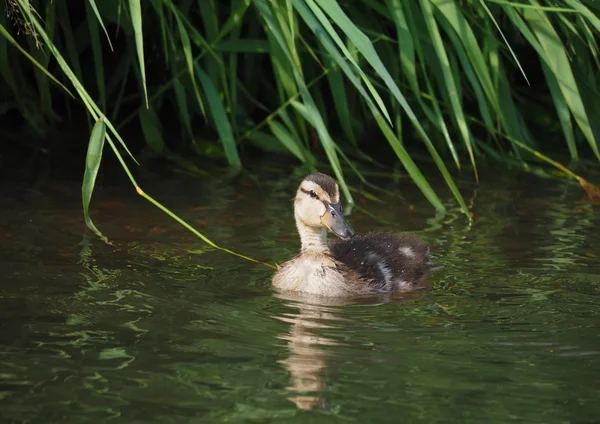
x=93, y=159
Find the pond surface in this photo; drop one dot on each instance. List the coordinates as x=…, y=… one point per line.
x=157, y=327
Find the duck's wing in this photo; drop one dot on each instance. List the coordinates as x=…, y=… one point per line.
x=391, y=261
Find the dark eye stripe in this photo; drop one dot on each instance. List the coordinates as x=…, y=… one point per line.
x=311, y=193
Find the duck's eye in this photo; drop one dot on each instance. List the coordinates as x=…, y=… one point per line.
x=332, y=213
x=313, y=194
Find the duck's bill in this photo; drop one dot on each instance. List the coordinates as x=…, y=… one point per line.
x=334, y=220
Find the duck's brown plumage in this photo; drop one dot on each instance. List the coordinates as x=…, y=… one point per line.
x=386, y=261
x=369, y=263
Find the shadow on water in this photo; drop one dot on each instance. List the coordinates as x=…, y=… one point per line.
x=159, y=328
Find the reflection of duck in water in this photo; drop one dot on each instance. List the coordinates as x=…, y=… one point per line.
x=307, y=362
x=311, y=353
x=369, y=263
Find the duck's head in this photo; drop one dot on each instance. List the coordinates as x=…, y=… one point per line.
x=317, y=205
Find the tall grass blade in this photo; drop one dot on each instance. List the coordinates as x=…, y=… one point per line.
x=558, y=62
x=476, y=83
x=465, y=41
x=208, y=13
x=151, y=130
x=287, y=140
x=510, y=49
x=310, y=108
x=357, y=37
x=235, y=18
x=412, y=168
x=562, y=109
x=84, y=96
x=92, y=165
x=187, y=52
x=12, y=41
x=587, y=13
x=164, y=28
x=220, y=119
x=328, y=43
x=92, y=3
x=449, y=82
x=97, y=52
x=135, y=9
x=182, y=105
x=363, y=44
x=338, y=91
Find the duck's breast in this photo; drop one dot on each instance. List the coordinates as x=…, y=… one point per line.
x=311, y=273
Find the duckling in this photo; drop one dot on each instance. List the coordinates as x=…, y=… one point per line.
x=369, y=263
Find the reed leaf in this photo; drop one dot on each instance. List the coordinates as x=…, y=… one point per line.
x=558, y=62
x=349, y=80
x=288, y=140
x=220, y=119
x=12, y=41
x=151, y=130
x=309, y=109
x=92, y=166
x=97, y=51
x=135, y=9
x=562, y=109
x=449, y=82
x=92, y=4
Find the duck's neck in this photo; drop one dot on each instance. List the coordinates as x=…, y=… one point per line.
x=312, y=238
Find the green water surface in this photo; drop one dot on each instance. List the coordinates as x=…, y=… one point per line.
x=159, y=328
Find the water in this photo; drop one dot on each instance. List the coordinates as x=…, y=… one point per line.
x=159, y=328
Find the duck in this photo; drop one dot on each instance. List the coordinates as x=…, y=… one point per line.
x=369, y=263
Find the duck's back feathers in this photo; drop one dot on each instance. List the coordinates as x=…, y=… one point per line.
x=388, y=261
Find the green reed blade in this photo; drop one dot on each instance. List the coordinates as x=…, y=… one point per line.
x=135, y=9
x=478, y=79
x=555, y=9
x=208, y=14
x=84, y=96
x=364, y=46
x=235, y=18
x=449, y=80
x=287, y=140
x=268, y=143
x=97, y=53
x=187, y=52
x=388, y=133
x=592, y=43
x=64, y=19
x=293, y=130
x=164, y=28
x=558, y=62
x=220, y=119
x=182, y=105
x=92, y=3
x=12, y=41
x=338, y=91
x=464, y=40
x=309, y=106
x=510, y=49
x=321, y=27
x=441, y=121
x=151, y=130
x=587, y=13
x=92, y=165
x=406, y=46
x=412, y=168
x=515, y=125
x=562, y=109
